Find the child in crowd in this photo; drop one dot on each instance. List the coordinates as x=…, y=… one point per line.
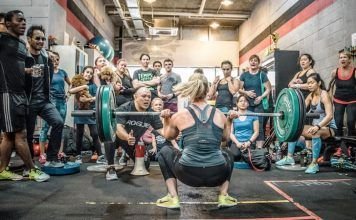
x=85, y=90
x=157, y=142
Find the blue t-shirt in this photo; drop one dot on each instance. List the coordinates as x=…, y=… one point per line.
x=243, y=130
x=57, y=85
x=253, y=82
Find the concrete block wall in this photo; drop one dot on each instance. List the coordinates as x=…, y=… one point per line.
x=322, y=35
x=263, y=14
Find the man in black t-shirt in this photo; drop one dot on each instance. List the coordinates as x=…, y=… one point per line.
x=130, y=128
x=13, y=100
x=37, y=89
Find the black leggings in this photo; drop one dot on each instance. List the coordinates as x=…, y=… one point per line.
x=94, y=136
x=351, y=118
x=168, y=160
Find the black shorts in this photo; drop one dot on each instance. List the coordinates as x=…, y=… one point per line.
x=13, y=110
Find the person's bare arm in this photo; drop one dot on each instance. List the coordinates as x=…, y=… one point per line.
x=137, y=84
x=170, y=130
x=123, y=135
x=255, y=134
x=233, y=85
x=329, y=114
x=86, y=99
x=78, y=89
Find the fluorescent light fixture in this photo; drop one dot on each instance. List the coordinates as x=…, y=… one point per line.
x=226, y=2
x=149, y=1
x=214, y=25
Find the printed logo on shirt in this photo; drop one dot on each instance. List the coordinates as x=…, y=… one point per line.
x=138, y=123
x=145, y=77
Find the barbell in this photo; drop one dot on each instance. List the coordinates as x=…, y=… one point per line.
x=289, y=114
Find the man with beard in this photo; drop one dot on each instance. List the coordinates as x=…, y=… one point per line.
x=37, y=90
x=13, y=107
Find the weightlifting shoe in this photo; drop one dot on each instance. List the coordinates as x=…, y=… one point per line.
x=169, y=202
x=8, y=175
x=226, y=201
x=38, y=175
x=312, y=168
x=285, y=161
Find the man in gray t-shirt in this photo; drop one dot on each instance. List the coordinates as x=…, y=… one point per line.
x=168, y=81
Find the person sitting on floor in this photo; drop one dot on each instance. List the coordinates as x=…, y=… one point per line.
x=319, y=102
x=244, y=129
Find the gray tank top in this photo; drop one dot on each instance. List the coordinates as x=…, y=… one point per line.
x=202, y=141
x=320, y=109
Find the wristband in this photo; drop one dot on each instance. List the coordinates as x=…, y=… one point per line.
x=250, y=141
x=318, y=127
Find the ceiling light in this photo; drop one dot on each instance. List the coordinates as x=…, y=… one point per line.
x=150, y=1
x=214, y=25
x=226, y=2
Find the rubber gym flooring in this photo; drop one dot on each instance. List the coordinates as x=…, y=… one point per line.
x=275, y=194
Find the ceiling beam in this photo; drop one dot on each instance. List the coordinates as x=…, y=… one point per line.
x=202, y=6
x=122, y=17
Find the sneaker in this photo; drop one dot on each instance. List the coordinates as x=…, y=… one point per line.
x=285, y=161
x=312, y=168
x=169, y=202
x=78, y=159
x=8, y=175
x=42, y=158
x=111, y=174
x=54, y=164
x=94, y=157
x=226, y=201
x=38, y=175
x=101, y=159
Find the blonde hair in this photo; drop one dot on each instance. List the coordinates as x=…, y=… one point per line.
x=196, y=88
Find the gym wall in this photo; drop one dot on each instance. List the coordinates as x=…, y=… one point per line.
x=319, y=27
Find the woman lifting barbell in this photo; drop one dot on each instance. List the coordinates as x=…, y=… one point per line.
x=319, y=102
x=202, y=162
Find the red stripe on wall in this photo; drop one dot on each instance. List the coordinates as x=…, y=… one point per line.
x=75, y=22
x=307, y=13
x=62, y=3
x=78, y=25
